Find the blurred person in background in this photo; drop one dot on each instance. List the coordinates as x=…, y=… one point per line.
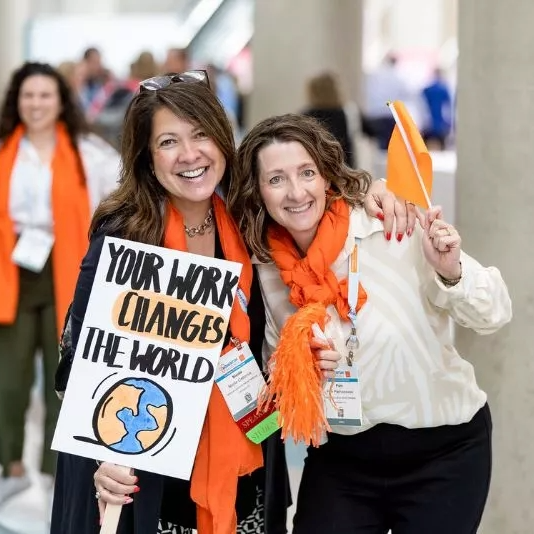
x=438, y=106
x=176, y=61
x=106, y=113
x=95, y=75
x=383, y=85
x=53, y=174
x=75, y=74
x=225, y=87
x=326, y=106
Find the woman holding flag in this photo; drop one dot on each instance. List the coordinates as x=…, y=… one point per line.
x=401, y=432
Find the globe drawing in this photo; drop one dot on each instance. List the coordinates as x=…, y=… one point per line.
x=132, y=416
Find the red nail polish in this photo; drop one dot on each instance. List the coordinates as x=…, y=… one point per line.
x=380, y=216
x=399, y=237
x=409, y=232
x=137, y=489
x=388, y=236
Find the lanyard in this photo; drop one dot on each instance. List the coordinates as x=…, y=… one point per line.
x=353, y=285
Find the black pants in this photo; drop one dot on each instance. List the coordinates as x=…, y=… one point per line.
x=424, y=481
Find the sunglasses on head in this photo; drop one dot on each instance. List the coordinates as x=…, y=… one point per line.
x=160, y=82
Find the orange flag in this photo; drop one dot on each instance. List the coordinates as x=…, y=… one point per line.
x=409, y=165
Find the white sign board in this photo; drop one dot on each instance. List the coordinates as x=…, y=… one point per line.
x=146, y=357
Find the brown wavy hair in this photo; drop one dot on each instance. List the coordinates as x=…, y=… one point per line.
x=71, y=113
x=244, y=199
x=136, y=209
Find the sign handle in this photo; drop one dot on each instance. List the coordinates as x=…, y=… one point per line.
x=112, y=514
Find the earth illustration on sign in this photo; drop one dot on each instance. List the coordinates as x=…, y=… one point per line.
x=132, y=416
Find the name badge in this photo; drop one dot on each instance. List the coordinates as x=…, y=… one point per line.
x=342, y=398
x=33, y=249
x=240, y=380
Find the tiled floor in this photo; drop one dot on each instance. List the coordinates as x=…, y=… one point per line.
x=28, y=512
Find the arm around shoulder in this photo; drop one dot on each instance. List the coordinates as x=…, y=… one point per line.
x=479, y=301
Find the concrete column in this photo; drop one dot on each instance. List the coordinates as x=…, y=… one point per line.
x=296, y=39
x=495, y=203
x=13, y=19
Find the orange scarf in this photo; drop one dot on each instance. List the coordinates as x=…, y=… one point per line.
x=296, y=381
x=71, y=216
x=224, y=453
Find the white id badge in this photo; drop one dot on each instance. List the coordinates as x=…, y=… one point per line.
x=240, y=380
x=33, y=249
x=342, y=398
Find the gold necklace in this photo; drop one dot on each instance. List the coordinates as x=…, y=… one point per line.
x=193, y=231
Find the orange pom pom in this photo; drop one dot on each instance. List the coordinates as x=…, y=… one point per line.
x=296, y=383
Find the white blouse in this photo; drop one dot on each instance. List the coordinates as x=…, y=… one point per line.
x=30, y=200
x=410, y=372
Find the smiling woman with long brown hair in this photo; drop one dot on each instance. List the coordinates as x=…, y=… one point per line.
x=178, y=158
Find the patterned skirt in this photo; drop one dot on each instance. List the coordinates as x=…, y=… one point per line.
x=253, y=524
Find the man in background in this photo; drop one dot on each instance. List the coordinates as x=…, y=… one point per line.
x=383, y=85
x=437, y=98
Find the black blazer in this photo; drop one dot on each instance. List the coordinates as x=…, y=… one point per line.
x=75, y=508
x=335, y=121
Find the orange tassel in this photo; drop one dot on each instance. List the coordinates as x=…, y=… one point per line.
x=296, y=383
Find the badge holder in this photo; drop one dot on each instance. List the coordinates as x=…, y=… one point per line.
x=342, y=396
x=33, y=249
x=241, y=382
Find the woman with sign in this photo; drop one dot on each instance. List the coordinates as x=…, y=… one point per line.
x=177, y=148
x=401, y=431
x=53, y=174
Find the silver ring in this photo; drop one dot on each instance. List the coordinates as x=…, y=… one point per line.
x=97, y=495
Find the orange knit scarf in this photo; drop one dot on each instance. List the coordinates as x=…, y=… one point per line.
x=224, y=453
x=71, y=216
x=296, y=381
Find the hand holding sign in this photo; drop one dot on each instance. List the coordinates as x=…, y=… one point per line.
x=114, y=484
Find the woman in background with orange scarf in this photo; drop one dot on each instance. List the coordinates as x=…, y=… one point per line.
x=53, y=174
x=402, y=434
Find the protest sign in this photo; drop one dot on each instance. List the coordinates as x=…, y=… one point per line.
x=146, y=358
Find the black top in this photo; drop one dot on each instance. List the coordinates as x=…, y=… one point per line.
x=335, y=121
x=75, y=508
